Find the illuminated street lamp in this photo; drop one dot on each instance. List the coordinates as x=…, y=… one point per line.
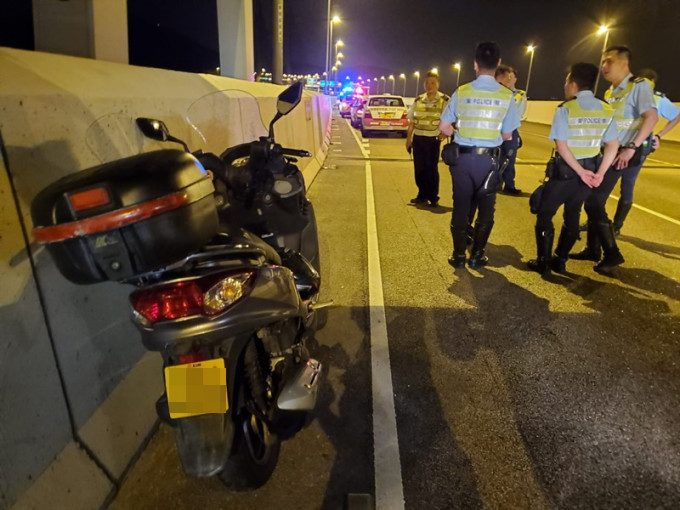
x=530, y=49
x=604, y=29
x=456, y=66
x=403, y=77
x=391, y=77
x=382, y=79
x=417, y=75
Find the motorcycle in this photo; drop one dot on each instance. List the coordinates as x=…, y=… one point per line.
x=223, y=252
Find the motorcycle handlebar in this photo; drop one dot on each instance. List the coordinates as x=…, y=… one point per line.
x=297, y=152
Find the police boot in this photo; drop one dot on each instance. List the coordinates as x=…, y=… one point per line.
x=457, y=259
x=622, y=211
x=544, y=244
x=612, y=255
x=564, y=244
x=479, y=239
x=592, y=251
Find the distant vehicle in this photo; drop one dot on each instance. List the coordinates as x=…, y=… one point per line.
x=356, y=111
x=344, y=107
x=383, y=113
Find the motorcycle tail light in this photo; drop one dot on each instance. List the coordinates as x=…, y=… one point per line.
x=168, y=302
x=205, y=296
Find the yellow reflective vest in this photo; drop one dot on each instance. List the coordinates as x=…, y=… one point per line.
x=481, y=113
x=627, y=127
x=586, y=128
x=426, y=113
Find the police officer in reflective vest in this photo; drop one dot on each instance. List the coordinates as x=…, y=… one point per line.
x=484, y=115
x=424, y=138
x=580, y=126
x=506, y=75
x=635, y=115
x=668, y=111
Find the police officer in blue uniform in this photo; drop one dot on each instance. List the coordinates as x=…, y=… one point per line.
x=580, y=127
x=506, y=75
x=668, y=111
x=482, y=114
x=635, y=115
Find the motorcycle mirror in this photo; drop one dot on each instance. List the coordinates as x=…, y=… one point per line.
x=289, y=98
x=154, y=129
x=157, y=130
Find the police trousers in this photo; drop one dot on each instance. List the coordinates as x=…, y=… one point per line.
x=509, y=174
x=595, y=203
x=426, y=165
x=468, y=175
x=571, y=193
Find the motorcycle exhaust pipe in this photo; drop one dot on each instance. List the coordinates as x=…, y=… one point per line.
x=299, y=393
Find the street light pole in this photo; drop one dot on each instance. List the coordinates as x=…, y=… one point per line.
x=328, y=41
x=417, y=75
x=456, y=66
x=391, y=77
x=604, y=29
x=403, y=77
x=382, y=79
x=331, y=22
x=530, y=49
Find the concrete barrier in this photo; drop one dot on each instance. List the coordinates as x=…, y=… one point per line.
x=76, y=388
x=542, y=112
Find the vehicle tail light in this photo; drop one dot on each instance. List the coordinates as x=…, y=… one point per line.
x=207, y=296
x=367, y=115
x=404, y=115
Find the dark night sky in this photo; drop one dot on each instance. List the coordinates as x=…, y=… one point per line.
x=384, y=37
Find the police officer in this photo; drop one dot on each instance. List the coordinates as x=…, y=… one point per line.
x=668, y=111
x=635, y=115
x=484, y=114
x=506, y=75
x=424, y=138
x=580, y=126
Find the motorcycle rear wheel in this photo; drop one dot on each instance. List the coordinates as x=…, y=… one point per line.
x=254, y=457
x=255, y=450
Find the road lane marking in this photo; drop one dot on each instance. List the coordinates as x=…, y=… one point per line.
x=653, y=213
x=389, y=488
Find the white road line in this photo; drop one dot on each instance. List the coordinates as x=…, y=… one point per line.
x=389, y=488
x=653, y=213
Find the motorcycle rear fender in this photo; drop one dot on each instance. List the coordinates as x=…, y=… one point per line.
x=273, y=298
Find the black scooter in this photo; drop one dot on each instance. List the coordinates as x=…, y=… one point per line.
x=224, y=254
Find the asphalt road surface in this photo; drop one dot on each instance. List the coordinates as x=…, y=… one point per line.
x=510, y=390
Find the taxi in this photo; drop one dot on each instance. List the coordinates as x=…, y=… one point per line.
x=385, y=112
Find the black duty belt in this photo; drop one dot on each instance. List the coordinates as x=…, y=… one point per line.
x=493, y=152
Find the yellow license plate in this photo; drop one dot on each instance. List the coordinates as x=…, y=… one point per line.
x=388, y=115
x=197, y=388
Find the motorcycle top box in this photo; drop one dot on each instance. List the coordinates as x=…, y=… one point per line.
x=128, y=217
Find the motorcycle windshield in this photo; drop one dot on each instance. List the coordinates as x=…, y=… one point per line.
x=216, y=121
x=225, y=118
x=114, y=136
